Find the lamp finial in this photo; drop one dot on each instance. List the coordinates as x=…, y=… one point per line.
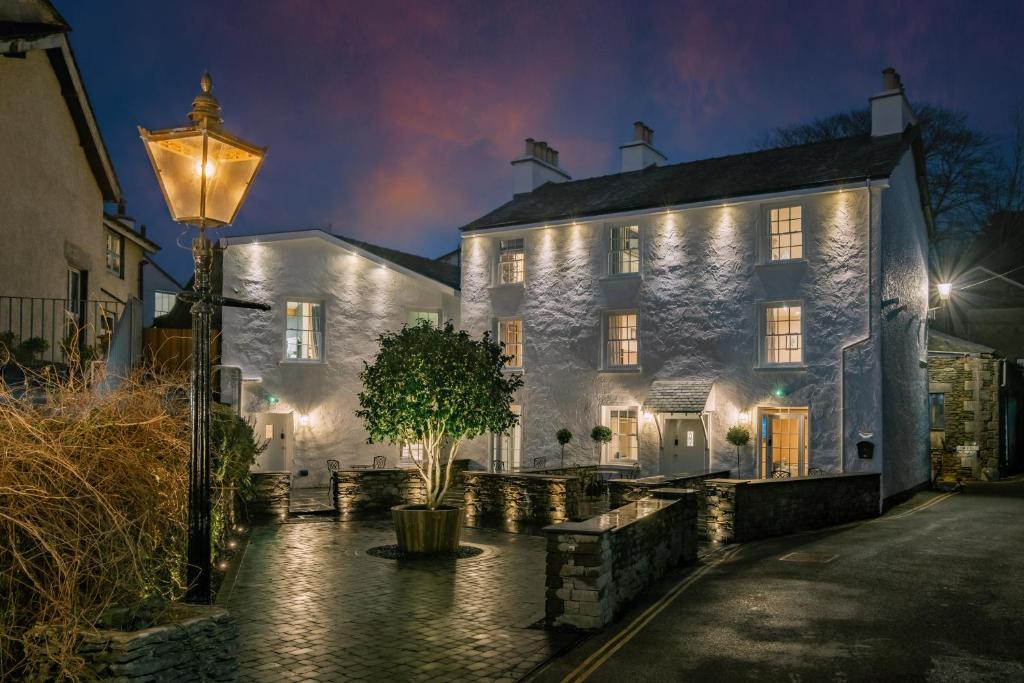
x=205, y=107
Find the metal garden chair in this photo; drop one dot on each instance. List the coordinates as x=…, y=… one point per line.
x=332, y=467
x=379, y=462
x=499, y=465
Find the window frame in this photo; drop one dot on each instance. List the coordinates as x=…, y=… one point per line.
x=606, y=340
x=606, y=419
x=498, y=322
x=118, y=254
x=765, y=234
x=409, y=312
x=496, y=440
x=323, y=330
x=499, y=279
x=762, y=337
x=610, y=229
x=156, y=292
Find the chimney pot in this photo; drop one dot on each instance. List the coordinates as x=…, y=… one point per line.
x=538, y=166
x=891, y=79
x=890, y=111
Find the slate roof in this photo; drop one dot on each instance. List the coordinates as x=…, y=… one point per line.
x=444, y=273
x=729, y=177
x=947, y=343
x=678, y=395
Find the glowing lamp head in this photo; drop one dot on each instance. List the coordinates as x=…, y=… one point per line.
x=204, y=172
x=743, y=418
x=945, y=289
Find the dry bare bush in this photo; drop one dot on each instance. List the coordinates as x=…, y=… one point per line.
x=93, y=492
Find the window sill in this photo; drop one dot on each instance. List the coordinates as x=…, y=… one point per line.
x=513, y=371
x=792, y=263
x=627, y=369
x=782, y=368
x=621, y=277
x=296, y=361
x=507, y=285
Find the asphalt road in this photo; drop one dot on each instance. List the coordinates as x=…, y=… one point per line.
x=931, y=591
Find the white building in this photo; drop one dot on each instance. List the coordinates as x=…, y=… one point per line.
x=300, y=363
x=785, y=290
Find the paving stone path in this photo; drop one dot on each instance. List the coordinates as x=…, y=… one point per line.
x=312, y=606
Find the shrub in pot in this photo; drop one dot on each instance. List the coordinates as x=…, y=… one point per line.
x=738, y=436
x=564, y=436
x=437, y=387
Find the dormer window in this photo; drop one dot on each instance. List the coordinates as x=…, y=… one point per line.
x=785, y=233
x=624, y=250
x=511, y=262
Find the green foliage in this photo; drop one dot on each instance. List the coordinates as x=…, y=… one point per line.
x=564, y=436
x=21, y=350
x=436, y=386
x=738, y=435
x=601, y=434
x=233, y=450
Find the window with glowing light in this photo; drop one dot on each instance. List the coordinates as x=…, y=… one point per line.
x=163, y=302
x=433, y=317
x=785, y=233
x=510, y=333
x=783, y=341
x=412, y=452
x=115, y=254
x=511, y=262
x=622, y=348
x=303, y=331
x=625, y=443
x=624, y=250
x=507, y=448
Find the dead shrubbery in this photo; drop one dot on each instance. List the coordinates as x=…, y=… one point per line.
x=93, y=494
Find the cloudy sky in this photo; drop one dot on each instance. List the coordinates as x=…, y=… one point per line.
x=396, y=122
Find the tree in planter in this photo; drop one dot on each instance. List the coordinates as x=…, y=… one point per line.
x=438, y=387
x=738, y=436
x=564, y=436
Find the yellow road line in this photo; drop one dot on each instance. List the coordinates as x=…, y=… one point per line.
x=601, y=655
x=923, y=506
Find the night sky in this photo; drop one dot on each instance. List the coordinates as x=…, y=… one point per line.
x=396, y=122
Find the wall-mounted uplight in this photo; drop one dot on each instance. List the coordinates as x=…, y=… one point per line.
x=945, y=289
x=304, y=420
x=648, y=416
x=743, y=418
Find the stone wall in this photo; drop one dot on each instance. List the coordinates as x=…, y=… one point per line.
x=745, y=510
x=271, y=497
x=370, y=494
x=624, y=491
x=521, y=497
x=596, y=567
x=970, y=385
x=199, y=645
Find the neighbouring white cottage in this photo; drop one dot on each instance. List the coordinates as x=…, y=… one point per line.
x=785, y=290
x=299, y=364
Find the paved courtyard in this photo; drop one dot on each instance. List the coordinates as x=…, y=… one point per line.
x=313, y=606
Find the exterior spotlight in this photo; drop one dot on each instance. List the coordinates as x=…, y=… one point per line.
x=304, y=420
x=945, y=289
x=743, y=418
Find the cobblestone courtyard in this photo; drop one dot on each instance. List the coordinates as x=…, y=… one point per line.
x=313, y=606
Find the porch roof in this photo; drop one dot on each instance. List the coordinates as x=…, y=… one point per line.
x=679, y=395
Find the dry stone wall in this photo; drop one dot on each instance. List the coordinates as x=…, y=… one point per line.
x=272, y=495
x=745, y=510
x=970, y=386
x=521, y=497
x=624, y=491
x=370, y=494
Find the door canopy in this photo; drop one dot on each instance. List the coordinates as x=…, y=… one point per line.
x=679, y=395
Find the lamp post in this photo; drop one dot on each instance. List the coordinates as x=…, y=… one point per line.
x=204, y=174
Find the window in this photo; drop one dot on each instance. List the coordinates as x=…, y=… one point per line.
x=625, y=441
x=510, y=333
x=624, y=250
x=622, y=340
x=303, y=331
x=75, y=293
x=511, y=262
x=115, y=254
x=785, y=233
x=689, y=438
x=937, y=419
x=163, y=302
x=507, y=448
x=412, y=452
x=783, y=341
x=433, y=317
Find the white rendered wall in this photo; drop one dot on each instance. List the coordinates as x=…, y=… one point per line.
x=361, y=301
x=699, y=302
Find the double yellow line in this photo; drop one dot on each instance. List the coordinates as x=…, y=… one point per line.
x=923, y=506
x=601, y=655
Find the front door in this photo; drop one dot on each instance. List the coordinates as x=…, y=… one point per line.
x=783, y=443
x=276, y=430
x=684, y=446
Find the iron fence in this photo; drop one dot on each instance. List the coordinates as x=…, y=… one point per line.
x=39, y=329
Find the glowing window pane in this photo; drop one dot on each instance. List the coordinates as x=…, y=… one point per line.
x=785, y=230
x=783, y=341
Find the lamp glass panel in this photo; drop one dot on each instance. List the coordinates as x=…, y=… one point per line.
x=175, y=158
x=229, y=171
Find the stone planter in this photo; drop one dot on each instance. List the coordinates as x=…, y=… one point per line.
x=198, y=642
x=420, y=530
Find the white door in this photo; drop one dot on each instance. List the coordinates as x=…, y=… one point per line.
x=276, y=430
x=684, y=446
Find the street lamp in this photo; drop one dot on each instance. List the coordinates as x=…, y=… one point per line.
x=945, y=289
x=205, y=174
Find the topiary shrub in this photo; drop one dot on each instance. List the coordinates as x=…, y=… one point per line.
x=564, y=436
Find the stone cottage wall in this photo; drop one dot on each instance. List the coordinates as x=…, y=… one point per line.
x=596, y=567
x=745, y=510
x=971, y=388
x=521, y=497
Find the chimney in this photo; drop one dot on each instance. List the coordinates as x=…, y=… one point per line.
x=537, y=166
x=640, y=153
x=123, y=218
x=890, y=110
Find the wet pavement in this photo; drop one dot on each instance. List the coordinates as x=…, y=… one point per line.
x=313, y=606
x=932, y=591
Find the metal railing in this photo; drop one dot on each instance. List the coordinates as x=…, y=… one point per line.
x=39, y=329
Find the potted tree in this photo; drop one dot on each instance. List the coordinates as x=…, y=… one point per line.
x=601, y=435
x=438, y=387
x=564, y=436
x=738, y=436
